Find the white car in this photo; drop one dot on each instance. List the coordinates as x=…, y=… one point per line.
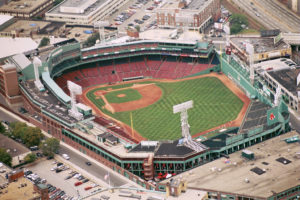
x=65, y=156
x=54, y=168
x=77, y=175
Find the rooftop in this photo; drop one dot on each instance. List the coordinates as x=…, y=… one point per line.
x=15, y=149
x=260, y=44
x=78, y=7
x=275, y=65
x=5, y=18
x=24, y=6
x=198, y=4
x=26, y=26
x=164, y=35
x=287, y=78
x=277, y=177
x=49, y=103
x=15, y=190
x=15, y=46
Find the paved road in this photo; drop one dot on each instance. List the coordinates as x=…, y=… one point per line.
x=270, y=14
x=94, y=169
x=78, y=160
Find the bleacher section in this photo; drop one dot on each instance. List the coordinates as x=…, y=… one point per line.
x=256, y=117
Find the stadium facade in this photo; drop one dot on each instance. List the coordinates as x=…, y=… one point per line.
x=48, y=107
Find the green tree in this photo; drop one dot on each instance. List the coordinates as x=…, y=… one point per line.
x=138, y=28
x=236, y=21
x=91, y=41
x=2, y=128
x=31, y=157
x=50, y=146
x=31, y=136
x=44, y=42
x=5, y=157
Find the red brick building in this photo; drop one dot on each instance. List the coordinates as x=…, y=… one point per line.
x=9, y=88
x=196, y=15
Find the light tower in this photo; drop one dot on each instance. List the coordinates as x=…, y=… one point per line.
x=36, y=64
x=101, y=25
x=277, y=96
x=74, y=90
x=250, y=50
x=185, y=127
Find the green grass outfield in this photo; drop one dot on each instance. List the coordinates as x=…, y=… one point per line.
x=214, y=104
x=130, y=95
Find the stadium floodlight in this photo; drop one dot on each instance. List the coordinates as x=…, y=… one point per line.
x=101, y=25
x=183, y=106
x=185, y=127
x=277, y=96
x=250, y=50
x=74, y=90
x=36, y=64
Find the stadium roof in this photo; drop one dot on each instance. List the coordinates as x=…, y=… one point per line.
x=15, y=46
x=54, y=87
x=277, y=176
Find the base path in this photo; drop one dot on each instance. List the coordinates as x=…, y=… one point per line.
x=147, y=92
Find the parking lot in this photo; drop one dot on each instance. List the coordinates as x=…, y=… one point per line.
x=65, y=178
x=139, y=12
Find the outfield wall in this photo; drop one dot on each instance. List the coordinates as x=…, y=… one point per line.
x=242, y=80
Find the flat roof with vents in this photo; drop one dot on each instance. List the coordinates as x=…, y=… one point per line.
x=78, y=7
x=232, y=175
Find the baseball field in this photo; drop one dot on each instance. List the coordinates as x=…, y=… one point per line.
x=150, y=103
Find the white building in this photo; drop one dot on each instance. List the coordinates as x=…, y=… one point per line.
x=83, y=12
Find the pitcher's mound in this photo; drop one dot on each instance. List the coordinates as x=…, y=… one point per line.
x=121, y=95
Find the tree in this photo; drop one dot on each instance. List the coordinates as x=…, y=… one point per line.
x=31, y=157
x=236, y=21
x=5, y=157
x=91, y=41
x=2, y=128
x=44, y=42
x=50, y=146
x=138, y=28
x=30, y=136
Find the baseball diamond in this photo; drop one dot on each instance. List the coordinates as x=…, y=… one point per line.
x=215, y=105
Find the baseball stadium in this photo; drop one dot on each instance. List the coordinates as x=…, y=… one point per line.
x=150, y=109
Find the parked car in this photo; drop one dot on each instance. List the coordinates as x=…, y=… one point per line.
x=66, y=156
x=88, y=163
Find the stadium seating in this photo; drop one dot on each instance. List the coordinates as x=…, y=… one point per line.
x=116, y=71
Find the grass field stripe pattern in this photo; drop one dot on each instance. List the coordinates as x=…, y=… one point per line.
x=214, y=105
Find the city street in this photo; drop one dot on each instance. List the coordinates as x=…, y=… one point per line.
x=95, y=169
x=270, y=14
